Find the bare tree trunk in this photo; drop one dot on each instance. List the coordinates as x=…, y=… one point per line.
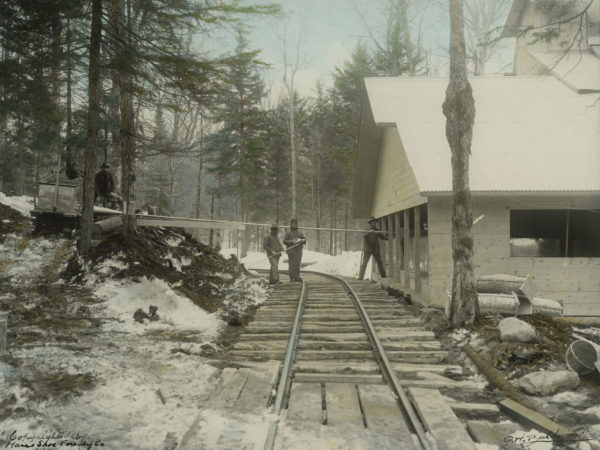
x=319, y=211
x=331, y=235
x=127, y=122
x=87, y=216
x=199, y=189
x=406, y=37
x=69, y=131
x=277, y=205
x=242, y=179
x=459, y=109
x=293, y=146
x=212, y=211
x=334, y=225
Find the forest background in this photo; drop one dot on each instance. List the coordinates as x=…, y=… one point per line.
x=210, y=125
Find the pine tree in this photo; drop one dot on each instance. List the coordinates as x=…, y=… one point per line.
x=238, y=108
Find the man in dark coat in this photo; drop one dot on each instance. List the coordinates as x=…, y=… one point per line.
x=104, y=184
x=294, y=240
x=273, y=248
x=72, y=171
x=371, y=247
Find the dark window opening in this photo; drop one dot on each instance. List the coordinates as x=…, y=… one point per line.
x=555, y=233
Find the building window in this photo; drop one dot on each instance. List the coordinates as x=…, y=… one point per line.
x=555, y=233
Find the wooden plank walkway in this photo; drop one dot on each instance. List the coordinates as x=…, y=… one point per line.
x=338, y=394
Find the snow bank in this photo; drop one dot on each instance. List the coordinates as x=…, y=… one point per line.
x=347, y=264
x=175, y=311
x=22, y=203
x=24, y=258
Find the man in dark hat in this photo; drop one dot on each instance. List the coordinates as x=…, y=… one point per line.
x=273, y=248
x=371, y=247
x=104, y=184
x=72, y=171
x=294, y=240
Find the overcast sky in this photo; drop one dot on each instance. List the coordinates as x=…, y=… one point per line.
x=332, y=29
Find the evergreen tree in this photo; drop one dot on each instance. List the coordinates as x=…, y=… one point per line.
x=238, y=108
x=346, y=98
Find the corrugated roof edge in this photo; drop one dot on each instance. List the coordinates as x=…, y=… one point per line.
x=529, y=192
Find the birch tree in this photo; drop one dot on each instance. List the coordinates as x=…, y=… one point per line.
x=459, y=109
x=482, y=25
x=293, y=62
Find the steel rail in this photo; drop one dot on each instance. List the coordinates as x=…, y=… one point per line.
x=286, y=371
x=396, y=386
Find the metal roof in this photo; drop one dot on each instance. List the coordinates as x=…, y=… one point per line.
x=530, y=133
x=578, y=69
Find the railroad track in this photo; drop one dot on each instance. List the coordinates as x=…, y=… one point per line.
x=349, y=359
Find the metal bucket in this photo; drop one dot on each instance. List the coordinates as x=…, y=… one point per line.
x=581, y=356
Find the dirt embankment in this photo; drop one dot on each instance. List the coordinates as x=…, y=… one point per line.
x=194, y=269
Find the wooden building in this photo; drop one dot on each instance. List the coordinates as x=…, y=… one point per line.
x=534, y=177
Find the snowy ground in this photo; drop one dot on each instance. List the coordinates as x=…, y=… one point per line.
x=132, y=383
x=126, y=385
x=347, y=264
x=23, y=203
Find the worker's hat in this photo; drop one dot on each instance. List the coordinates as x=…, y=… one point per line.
x=274, y=226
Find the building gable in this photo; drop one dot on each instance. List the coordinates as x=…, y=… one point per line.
x=531, y=134
x=396, y=186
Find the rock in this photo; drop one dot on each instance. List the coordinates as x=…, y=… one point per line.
x=574, y=418
x=139, y=315
x=513, y=329
x=548, y=383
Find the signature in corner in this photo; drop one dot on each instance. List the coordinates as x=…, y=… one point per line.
x=520, y=442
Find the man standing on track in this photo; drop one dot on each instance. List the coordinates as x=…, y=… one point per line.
x=294, y=240
x=273, y=248
x=371, y=247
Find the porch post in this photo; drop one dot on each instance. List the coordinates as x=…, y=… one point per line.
x=406, y=247
x=383, y=227
x=390, y=246
x=398, y=245
x=417, y=252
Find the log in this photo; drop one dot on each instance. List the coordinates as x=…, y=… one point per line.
x=496, y=378
x=506, y=284
x=507, y=304
x=106, y=225
x=546, y=306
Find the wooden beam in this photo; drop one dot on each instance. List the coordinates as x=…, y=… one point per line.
x=305, y=403
x=383, y=415
x=398, y=242
x=342, y=403
x=417, y=252
x=406, y=244
x=535, y=419
x=496, y=378
x=440, y=420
